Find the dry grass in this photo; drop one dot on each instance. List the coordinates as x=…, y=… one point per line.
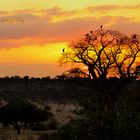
x=63, y=112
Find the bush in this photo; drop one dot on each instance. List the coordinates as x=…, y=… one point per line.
x=39, y=127
x=127, y=120
x=75, y=130
x=52, y=136
x=122, y=123
x=52, y=124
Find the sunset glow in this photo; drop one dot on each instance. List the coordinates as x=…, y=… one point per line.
x=33, y=33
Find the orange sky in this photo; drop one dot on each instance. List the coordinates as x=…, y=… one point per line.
x=33, y=33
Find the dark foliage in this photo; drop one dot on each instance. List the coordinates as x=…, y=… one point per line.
x=110, y=112
x=20, y=113
x=56, y=90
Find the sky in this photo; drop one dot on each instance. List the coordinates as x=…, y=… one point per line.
x=34, y=32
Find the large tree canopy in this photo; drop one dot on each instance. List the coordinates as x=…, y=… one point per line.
x=105, y=53
x=19, y=113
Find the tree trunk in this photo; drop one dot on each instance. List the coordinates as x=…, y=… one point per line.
x=18, y=130
x=93, y=74
x=18, y=127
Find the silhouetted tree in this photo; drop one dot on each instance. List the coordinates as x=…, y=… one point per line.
x=73, y=73
x=19, y=113
x=126, y=58
x=26, y=77
x=137, y=72
x=16, y=77
x=105, y=51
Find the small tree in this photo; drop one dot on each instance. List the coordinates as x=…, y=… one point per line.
x=74, y=73
x=20, y=113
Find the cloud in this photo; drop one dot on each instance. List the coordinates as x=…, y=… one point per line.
x=47, y=13
x=57, y=11
x=12, y=43
x=127, y=27
x=38, y=28
x=111, y=7
x=42, y=32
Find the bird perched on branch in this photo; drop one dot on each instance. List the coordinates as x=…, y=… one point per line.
x=135, y=36
x=63, y=50
x=101, y=26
